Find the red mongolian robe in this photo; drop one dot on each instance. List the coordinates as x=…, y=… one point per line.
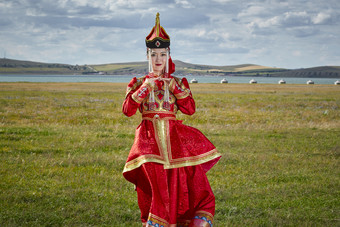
x=169, y=160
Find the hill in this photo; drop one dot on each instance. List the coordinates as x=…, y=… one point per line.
x=315, y=72
x=11, y=66
x=187, y=68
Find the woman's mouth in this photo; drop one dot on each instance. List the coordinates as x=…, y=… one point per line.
x=158, y=64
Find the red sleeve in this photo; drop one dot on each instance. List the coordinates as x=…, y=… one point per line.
x=185, y=101
x=130, y=106
x=135, y=93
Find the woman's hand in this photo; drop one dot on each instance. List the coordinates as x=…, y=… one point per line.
x=150, y=82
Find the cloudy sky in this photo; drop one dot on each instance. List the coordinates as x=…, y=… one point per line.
x=276, y=33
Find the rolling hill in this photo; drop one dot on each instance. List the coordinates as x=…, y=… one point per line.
x=315, y=72
x=186, y=68
x=11, y=66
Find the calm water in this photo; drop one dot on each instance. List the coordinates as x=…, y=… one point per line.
x=127, y=78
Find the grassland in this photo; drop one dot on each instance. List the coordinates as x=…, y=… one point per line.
x=63, y=147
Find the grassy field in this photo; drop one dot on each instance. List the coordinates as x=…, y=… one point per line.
x=63, y=147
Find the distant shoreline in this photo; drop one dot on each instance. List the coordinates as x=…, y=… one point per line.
x=213, y=79
x=17, y=67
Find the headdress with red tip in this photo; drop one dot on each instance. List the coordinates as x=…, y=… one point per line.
x=158, y=38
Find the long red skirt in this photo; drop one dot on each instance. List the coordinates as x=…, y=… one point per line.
x=170, y=197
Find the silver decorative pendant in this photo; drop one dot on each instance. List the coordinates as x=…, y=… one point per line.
x=157, y=43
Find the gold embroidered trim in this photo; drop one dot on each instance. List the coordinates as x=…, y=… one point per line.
x=163, y=118
x=195, y=157
x=157, y=220
x=136, y=99
x=137, y=162
x=162, y=112
x=192, y=161
x=161, y=127
x=182, y=95
x=189, y=161
x=185, y=91
x=134, y=86
x=205, y=213
x=205, y=216
x=135, y=95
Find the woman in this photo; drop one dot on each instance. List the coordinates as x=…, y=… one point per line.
x=168, y=160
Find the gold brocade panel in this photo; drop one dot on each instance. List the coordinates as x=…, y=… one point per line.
x=162, y=137
x=159, y=100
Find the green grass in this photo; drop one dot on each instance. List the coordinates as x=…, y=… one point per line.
x=63, y=147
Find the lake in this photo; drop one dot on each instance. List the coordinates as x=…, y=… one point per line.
x=127, y=78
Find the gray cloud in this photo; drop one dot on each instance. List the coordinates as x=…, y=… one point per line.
x=217, y=32
x=303, y=31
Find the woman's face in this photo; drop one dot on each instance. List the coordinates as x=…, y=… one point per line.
x=158, y=59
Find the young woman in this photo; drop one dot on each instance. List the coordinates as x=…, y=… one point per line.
x=168, y=160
